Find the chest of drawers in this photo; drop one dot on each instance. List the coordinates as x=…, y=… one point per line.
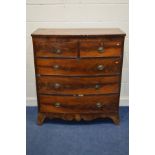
x=78, y=73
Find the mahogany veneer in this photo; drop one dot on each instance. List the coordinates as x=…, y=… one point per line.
x=78, y=73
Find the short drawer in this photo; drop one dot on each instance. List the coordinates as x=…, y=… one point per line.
x=86, y=104
x=101, y=48
x=48, y=47
x=78, y=85
x=73, y=67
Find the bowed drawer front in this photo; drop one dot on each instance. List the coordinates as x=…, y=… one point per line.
x=48, y=47
x=78, y=73
x=101, y=48
x=78, y=67
x=78, y=104
x=78, y=85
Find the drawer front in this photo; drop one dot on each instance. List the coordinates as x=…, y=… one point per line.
x=47, y=47
x=73, y=67
x=86, y=104
x=100, y=48
x=78, y=85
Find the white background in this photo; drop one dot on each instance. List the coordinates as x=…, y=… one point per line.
x=75, y=14
x=13, y=87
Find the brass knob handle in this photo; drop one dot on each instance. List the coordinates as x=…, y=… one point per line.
x=80, y=95
x=56, y=66
x=100, y=49
x=57, y=85
x=98, y=105
x=57, y=104
x=56, y=51
x=97, y=86
x=100, y=67
x=118, y=44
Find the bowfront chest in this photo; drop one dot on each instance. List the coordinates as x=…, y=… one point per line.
x=78, y=73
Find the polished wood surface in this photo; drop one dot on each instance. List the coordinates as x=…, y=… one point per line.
x=84, y=104
x=76, y=67
x=48, y=47
x=78, y=85
x=78, y=32
x=78, y=73
x=109, y=48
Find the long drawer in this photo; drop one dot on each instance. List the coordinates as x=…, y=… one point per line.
x=86, y=104
x=73, y=67
x=78, y=85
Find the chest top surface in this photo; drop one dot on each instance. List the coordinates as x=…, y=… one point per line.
x=78, y=32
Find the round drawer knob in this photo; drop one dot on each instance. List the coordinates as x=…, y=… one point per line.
x=118, y=44
x=56, y=51
x=100, y=49
x=80, y=95
x=100, y=67
x=97, y=86
x=56, y=66
x=57, y=85
x=116, y=62
x=98, y=105
x=57, y=104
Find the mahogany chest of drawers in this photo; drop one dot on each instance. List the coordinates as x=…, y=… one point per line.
x=78, y=73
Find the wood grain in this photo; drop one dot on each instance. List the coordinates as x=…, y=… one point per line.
x=78, y=85
x=85, y=104
x=72, y=67
x=72, y=32
x=77, y=116
x=111, y=47
x=45, y=47
x=81, y=82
